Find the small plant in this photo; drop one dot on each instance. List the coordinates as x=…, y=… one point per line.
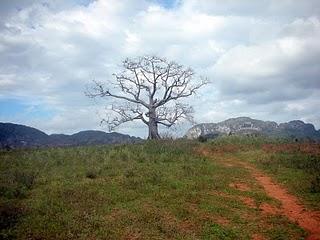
x=202, y=139
x=315, y=184
x=16, y=184
x=129, y=173
x=154, y=177
x=9, y=216
x=215, y=231
x=25, y=179
x=92, y=174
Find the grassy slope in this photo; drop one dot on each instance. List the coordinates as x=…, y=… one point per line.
x=294, y=165
x=155, y=190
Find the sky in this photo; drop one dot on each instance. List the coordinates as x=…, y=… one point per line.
x=261, y=57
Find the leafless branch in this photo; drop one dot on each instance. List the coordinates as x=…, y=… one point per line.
x=150, y=88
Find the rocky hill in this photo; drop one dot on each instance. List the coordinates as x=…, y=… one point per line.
x=17, y=136
x=248, y=126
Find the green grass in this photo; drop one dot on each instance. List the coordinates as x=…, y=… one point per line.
x=245, y=141
x=298, y=171
x=152, y=190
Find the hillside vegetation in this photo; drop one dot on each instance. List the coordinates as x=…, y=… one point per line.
x=154, y=190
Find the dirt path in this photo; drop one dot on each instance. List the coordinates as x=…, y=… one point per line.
x=291, y=206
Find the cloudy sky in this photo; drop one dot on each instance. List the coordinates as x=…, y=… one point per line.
x=262, y=57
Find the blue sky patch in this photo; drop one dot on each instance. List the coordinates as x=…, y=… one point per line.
x=167, y=3
x=12, y=108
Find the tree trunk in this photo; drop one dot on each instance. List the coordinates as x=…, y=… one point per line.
x=153, y=126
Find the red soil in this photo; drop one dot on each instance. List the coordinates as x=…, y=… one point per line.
x=257, y=237
x=132, y=235
x=291, y=207
x=248, y=201
x=187, y=227
x=229, y=165
x=269, y=209
x=222, y=221
x=240, y=186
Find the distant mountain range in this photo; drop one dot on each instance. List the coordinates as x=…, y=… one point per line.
x=20, y=136
x=247, y=126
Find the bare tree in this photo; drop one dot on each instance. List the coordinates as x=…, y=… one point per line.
x=149, y=89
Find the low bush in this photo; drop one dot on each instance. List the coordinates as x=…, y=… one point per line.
x=202, y=139
x=91, y=173
x=315, y=184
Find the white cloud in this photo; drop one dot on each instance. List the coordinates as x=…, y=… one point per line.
x=257, y=54
x=264, y=8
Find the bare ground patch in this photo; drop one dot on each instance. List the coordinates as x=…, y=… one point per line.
x=240, y=186
x=290, y=205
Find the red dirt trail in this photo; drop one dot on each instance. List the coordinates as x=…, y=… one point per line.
x=291, y=207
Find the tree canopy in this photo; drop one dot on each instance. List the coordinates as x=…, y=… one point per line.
x=150, y=89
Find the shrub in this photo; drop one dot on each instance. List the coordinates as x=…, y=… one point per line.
x=15, y=184
x=129, y=173
x=315, y=184
x=202, y=139
x=25, y=179
x=92, y=173
x=9, y=216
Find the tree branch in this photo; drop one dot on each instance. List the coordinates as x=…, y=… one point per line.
x=99, y=91
x=154, y=85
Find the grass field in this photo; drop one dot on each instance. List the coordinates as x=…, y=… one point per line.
x=155, y=190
